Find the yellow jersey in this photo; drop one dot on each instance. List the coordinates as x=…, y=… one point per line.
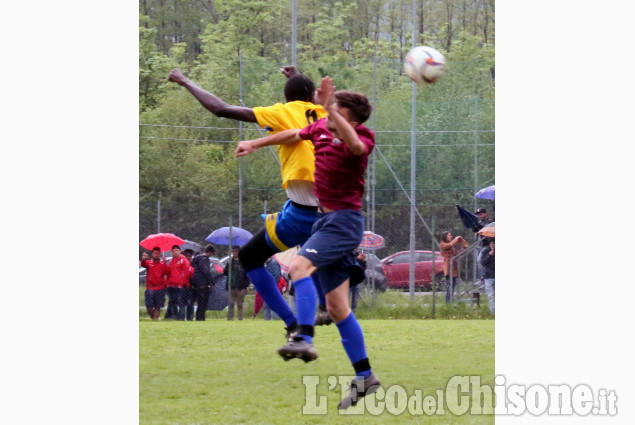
x=297, y=160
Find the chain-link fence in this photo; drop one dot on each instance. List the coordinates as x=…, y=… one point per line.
x=454, y=158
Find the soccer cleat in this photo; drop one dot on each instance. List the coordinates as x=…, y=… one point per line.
x=360, y=387
x=298, y=348
x=323, y=318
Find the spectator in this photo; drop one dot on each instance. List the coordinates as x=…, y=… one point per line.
x=273, y=267
x=483, y=220
x=203, y=279
x=155, y=282
x=449, y=249
x=189, y=292
x=238, y=285
x=483, y=217
x=486, y=259
x=354, y=291
x=178, y=283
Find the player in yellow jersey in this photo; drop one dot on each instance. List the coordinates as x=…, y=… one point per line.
x=292, y=225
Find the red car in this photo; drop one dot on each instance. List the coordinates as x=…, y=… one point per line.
x=397, y=269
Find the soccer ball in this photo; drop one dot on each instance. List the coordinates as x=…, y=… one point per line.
x=424, y=64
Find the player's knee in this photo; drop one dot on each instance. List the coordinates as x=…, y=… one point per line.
x=338, y=311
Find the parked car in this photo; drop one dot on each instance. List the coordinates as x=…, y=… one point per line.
x=396, y=268
x=143, y=272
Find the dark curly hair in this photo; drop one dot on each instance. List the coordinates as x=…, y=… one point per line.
x=357, y=104
x=299, y=87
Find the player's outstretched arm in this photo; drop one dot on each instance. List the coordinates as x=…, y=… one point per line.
x=283, y=138
x=212, y=103
x=345, y=130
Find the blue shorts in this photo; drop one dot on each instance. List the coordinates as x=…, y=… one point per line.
x=290, y=227
x=155, y=298
x=330, y=248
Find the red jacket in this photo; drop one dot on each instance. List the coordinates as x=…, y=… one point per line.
x=157, y=272
x=179, y=272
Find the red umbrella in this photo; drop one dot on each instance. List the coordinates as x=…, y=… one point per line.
x=163, y=240
x=372, y=240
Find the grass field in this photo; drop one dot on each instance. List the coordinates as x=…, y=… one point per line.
x=220, y=372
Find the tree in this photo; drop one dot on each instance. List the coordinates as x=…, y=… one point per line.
x=186, y=153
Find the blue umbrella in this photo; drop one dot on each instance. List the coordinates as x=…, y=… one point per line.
x=487, y=193
x=221, y=236
x=470, y=220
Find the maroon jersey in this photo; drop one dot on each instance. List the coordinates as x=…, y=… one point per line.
x=339, y=174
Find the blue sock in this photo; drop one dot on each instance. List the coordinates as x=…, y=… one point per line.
x=318, y=288
x=353, y=341
x=305, y=303
x=264, y=283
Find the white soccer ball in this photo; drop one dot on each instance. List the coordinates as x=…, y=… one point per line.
x=424, y=64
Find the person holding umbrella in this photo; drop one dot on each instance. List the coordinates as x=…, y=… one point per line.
x=483, y=217
x=155, y=282
x=483, y=220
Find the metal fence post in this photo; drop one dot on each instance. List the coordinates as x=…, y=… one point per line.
x=240, y=137
x=413, y=162
x=159, y=214
x=434, y=272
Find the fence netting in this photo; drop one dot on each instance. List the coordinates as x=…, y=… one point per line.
x=455, y=157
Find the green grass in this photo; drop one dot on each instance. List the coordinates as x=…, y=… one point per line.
x=220, y=372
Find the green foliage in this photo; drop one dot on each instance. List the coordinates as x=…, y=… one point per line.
x=153, y=69
x=359, y=44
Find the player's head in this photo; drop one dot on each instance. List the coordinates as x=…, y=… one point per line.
x=209, y=249
x=357, y=104
x=176, y=251
x=299, y=87
x=156, y=252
